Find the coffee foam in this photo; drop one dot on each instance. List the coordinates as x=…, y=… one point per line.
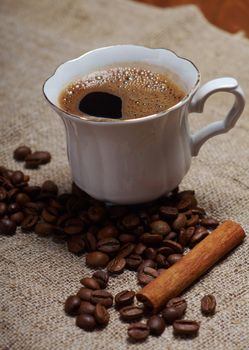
x=143, y=91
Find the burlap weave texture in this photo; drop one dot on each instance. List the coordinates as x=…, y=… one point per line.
x=36, y=274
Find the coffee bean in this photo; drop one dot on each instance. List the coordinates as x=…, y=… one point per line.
x=124, y=298
x=150, y=253
x=90, y=241
x=101, y=315
x=12, y=194
x=151, y=239
x=126, y=250
x=162, y=261
x=49, y=187
x=160, y=227
x=74, y=228
x=133, y=261
x=108, y=245
x=97, y=259
x=32, y=163
x=174, y=258
x=186, y=235
x=85, y=294
x=76, y=244
x=17, y=217
x=102, y=297
x=209, y=222
x=178, y=303
x=86, y=322
x=32, y=191
x=72, y=305
x=17, y=177
x=193, y=220
x=147, y=275
x=108, y=231
x=3, y=193
x=187, y=202
x=41, y=157
x=208, y=305
x=186, y=328
x=116, y=265
x=170, y=314
x=126, y=238
x=131, y=221
x=171, y=236
x=29, y=222
x=96, y=213
x=199, y=234
x=176, y=247
x=131, y=313
x=3, y=209
x=138, y=331
x=102, y=277
x=86, y=308
x=139, y=249
x=21, y=152
x=116, y=212
x=90, y=283
x=156, y=325
x=32, y=208
x=49, y=215
x=166, y=251
x=146, y=263
x=179, y=222
x=7, y=227
x=168, y=213
x=22, y=199
x=13, y=208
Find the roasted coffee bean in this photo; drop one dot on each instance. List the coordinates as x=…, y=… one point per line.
x=48, y=216
x=21, y=152
x=174, y=258
x=186, y=202
x=49, y=187
x=29, y=222
x=131, y=313
x=44, y=229
x=133, y=261
x=171, y=236
x=209, y=222
x=116, y=212
x=179, y=222
x=208, y=305
x=176, y=247
x=185, y=235
x=32, y=163
x=186, y=328
x=76, y=244
x=3, y=209
x=131, y=221
x=90, y=283
x=17, y=217
x=74, y=228
x=138, y=331
x=108, y=231
x=7, y=227
x=85, y=294
x=12, y=193
x=96, y=213
x=124, y=298
x=90, y=240
x=170, y=314
x=168, y=213
x=72, y=305
x=150, y=253
x=97, y=259
x=102, y=297
x=101, y=315
x=13, y=208
x=151, y=239
x=17, y=177
x=126, y=250
x=86, y=308
x=139, y=249
x=199, y=234
x=3, y=193
x=146, y=263
x=22, y=199
x=162, y=261
x=108, y=245
x=86, y=322
x=116, y=265
x=166, y=251
x=42, y=157
x=156, y=325
x=147, y=275
x=160, y=227
x=126, y=238
x=32, y=191
x=102, y=277
x=178, y=303
x=193, y=220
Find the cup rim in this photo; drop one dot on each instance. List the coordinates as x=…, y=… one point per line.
x=91, y=119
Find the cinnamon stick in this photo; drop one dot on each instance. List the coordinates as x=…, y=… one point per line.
x=179, y=276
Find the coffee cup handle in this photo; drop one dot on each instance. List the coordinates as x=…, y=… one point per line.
x=222, y=126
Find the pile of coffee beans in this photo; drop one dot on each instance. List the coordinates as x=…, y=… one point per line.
x=146, y=238
x=32, y=159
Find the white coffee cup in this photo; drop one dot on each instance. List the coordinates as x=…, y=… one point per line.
x=137, y=160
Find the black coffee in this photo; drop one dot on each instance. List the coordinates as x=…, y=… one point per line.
x=121, y=93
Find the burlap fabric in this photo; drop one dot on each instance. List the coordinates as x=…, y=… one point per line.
x=36, y=274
